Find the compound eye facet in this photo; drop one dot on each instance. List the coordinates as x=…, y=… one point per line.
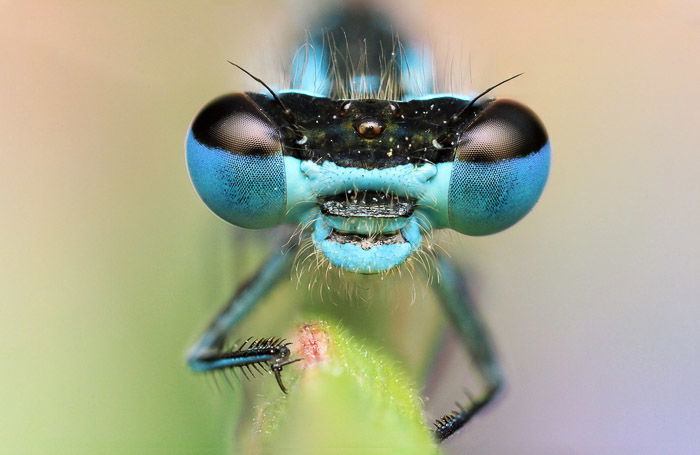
x=234, y=155
x=500, y=167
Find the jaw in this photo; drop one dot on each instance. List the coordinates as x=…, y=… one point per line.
x=366, y=253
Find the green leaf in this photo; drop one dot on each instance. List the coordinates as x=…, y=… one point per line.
x=348, y=399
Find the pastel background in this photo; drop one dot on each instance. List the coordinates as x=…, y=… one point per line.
x=110, y=264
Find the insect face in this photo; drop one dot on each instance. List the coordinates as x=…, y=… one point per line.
x=369, y=177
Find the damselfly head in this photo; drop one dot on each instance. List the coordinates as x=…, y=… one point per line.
x=371, y=177
x=358, y=157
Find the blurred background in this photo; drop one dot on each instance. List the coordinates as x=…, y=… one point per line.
x=111, y=264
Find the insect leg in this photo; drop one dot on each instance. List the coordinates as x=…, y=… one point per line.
x=209, y=353
x=453, y=294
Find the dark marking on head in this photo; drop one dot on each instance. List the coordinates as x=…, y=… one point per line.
x=235, y=123
x=504, y=129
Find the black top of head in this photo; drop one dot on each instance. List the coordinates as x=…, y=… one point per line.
x=366, y=133
x=379, y=134
x=369, y=133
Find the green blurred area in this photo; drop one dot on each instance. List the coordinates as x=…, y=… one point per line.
x=114, y=265
x=357, y=400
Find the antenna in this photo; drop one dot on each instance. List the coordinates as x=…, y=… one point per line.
x=287, y=112
x=446, y=139
x=471, y=103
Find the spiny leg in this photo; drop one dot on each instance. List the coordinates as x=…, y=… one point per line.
x=209, y=352
x=461, y=311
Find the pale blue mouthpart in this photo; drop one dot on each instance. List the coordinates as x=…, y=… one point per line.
x=367, y=225
x=307, y=181
x=376, y=259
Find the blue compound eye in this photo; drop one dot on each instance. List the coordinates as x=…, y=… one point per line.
x=499, y=170
x=234, y=156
